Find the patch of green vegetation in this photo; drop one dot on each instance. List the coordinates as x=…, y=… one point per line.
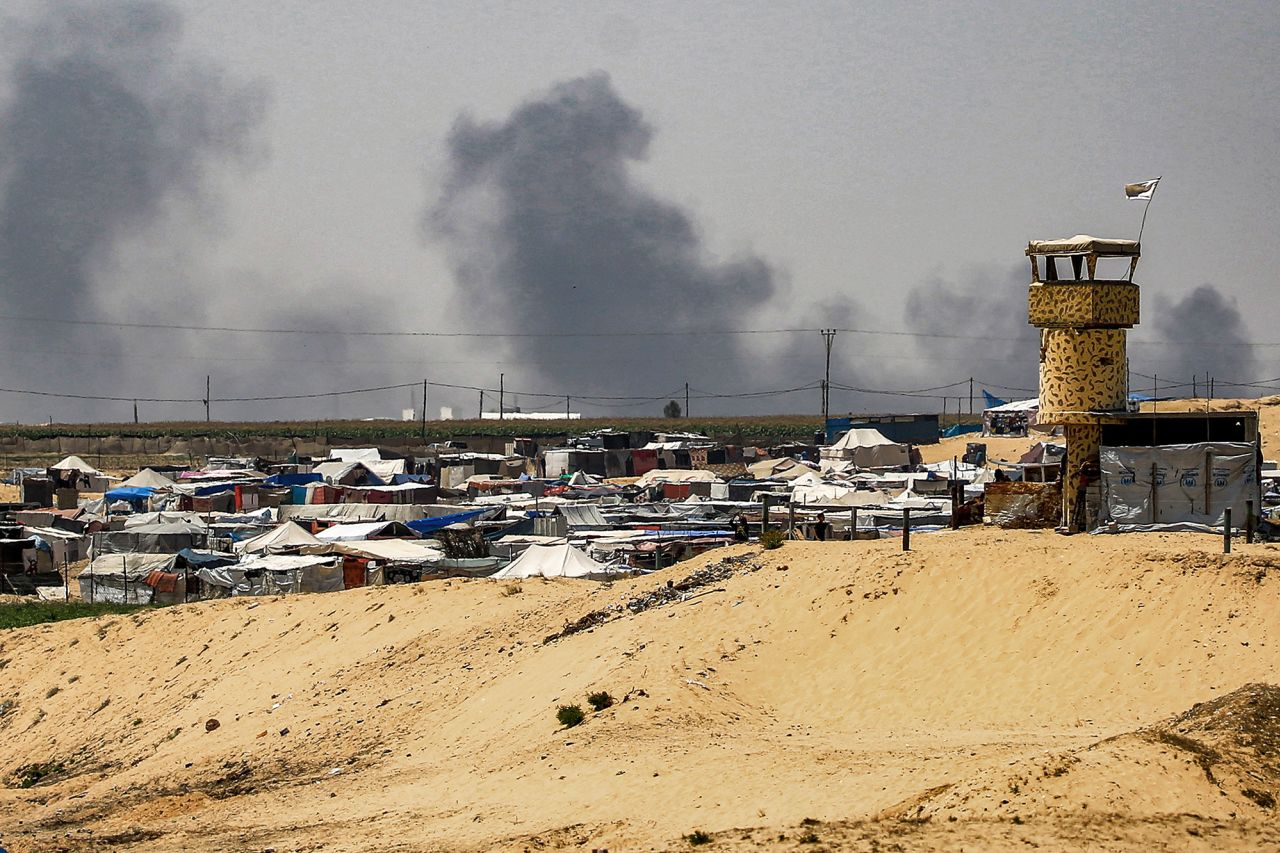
x=771, y=539
x=599, y=701
x=570, y=715
x=39, y=612
x=697, y=838
x=30, y=775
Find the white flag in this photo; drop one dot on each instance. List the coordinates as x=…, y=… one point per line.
x=1142, y=190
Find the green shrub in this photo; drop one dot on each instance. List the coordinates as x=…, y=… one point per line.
x=570, y=715
x=30, y=775
x=599, y=701
x=771, y=539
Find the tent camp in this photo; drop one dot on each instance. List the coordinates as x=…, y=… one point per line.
x=286, y=537
x=866, y=448
x=552, y=561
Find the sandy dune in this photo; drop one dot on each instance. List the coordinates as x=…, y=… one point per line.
x=886, y=698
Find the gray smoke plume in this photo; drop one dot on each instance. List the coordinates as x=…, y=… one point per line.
x=549, y=231
x=1202, y=334
x=105, y=128
x=975, y=326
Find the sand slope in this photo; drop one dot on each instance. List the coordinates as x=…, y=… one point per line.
x=846, y=683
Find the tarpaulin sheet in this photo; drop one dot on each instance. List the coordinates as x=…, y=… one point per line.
x=430, y=525
x=1176, y=483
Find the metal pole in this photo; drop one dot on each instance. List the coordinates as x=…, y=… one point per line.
x=1226, y=530
x=906, y=528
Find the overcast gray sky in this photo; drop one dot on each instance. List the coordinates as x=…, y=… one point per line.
x=868, y=158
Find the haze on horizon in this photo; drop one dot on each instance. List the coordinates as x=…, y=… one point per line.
x=592, y=168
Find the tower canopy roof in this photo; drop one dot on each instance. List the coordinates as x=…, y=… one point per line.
x=1083, y=244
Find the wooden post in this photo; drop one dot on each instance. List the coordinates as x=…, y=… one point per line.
x=906, y=528
x=1226, y=530
x=853, y=522
x=764, y=513
x=791, y=519
x=955, y=504
x=1248, y=522
x=1155, y=504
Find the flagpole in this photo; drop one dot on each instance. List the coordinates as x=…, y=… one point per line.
x=1146, y=208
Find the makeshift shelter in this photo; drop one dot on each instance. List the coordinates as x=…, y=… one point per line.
x=273, y=574
x=147, y=479
x=552, y=561
x=75, y=463
x=285, y=537
x=866, y=448
x=133, y=579
x=365, y=530
x=166, y=538
x=675, y=475
x=1179, y=484
x=1010, y=419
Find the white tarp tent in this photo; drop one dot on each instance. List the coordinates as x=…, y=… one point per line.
x=355, y=531
x=74, y=463
x=552, y=561
x=867, y=448
x=286, y=537
x=118, y=578
x=147, y=479
x=1178, y=483
x=273, y=574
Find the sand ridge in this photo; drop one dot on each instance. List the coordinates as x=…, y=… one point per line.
x=828, y=682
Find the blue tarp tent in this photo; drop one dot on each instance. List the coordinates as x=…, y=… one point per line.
x=423, y=526
x=135, y=495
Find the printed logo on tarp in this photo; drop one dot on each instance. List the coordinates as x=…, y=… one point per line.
x=1159, y=476
x=1220, y=477
x=1189, y=477
x=1127, y=476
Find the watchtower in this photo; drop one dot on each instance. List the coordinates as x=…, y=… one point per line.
x=1084, y=366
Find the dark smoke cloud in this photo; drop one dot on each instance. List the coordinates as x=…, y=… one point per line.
x=105, y=129
x=549, y=231
x=975, y=325
x=1212, y=335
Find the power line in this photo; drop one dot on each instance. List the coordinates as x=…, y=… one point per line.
x=623, y=333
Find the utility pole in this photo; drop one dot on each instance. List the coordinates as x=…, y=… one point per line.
x=566, y=407
x=207, y=381
x=502, y=396
x=828, y=338
x=686, y=399
x=135, y=411
x=424, y=410
x=971, y=395
x=1194, y=389
x=481, y=415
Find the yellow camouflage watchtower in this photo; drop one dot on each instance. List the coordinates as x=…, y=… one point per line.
x=1084, y=367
